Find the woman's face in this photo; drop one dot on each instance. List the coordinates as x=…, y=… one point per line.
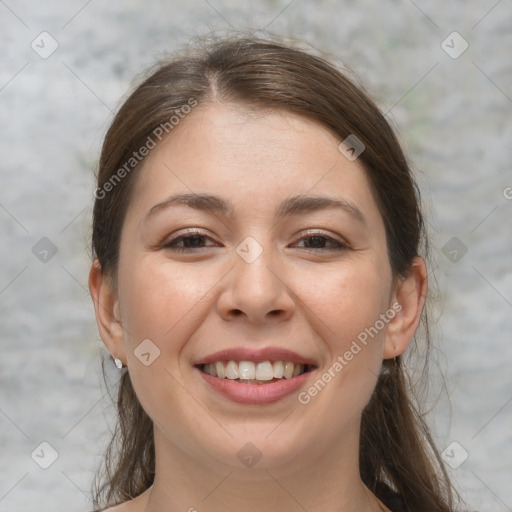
x=269, y=272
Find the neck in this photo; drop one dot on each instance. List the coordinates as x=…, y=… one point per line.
x=331, y=482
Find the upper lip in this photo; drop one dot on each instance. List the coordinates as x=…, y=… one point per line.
x=256, y=355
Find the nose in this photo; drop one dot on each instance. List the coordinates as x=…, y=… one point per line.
x=256, y=292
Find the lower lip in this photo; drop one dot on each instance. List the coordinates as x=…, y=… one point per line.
x=256, y=393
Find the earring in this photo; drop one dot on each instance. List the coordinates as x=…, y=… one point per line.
x=118, y=362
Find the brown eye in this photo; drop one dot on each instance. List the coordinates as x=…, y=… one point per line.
x=322, y=242
x=189, y=242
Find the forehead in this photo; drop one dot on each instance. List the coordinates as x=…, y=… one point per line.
x=253, y=159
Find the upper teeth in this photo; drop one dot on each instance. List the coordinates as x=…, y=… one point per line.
x=248, y=370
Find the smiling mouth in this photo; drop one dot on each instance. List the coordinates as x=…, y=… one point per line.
x=249, y=372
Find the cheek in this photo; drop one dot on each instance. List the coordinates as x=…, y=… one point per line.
x=165, y=304
x=160, y=299
x=349, y=304
x=345, y=300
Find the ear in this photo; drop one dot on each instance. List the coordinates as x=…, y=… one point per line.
x=106, y=307
x=408, y=301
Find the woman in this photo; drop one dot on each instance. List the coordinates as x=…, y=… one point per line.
x=257, y=278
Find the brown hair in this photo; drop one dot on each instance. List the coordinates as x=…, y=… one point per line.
x=395, y=445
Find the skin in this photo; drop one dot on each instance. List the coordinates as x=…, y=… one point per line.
x=313, y=301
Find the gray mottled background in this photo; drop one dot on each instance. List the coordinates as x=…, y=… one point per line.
x=453, y=116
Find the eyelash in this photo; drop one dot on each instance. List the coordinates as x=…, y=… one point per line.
x=171, y=244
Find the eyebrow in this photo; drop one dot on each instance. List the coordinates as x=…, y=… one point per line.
x=292, y=206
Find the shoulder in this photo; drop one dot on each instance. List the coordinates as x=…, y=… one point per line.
x=118, y=508
x=137, y=504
